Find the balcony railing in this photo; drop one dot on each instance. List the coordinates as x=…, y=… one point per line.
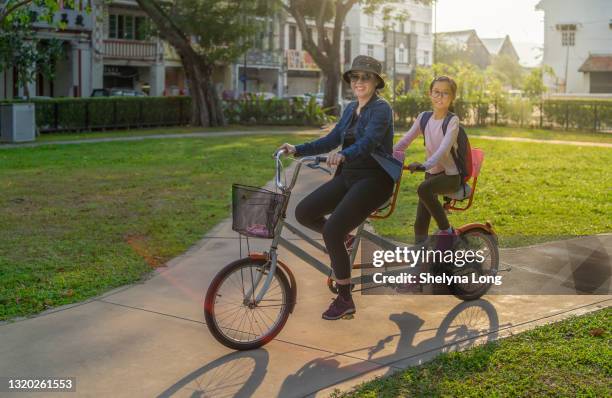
x=131, y=50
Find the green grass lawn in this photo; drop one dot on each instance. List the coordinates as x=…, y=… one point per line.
x=571, y=358
x=68, y=136
x=541, y=134
x=530, y=192
x=78, y=220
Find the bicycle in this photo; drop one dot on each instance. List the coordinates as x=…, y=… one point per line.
x=249, y=301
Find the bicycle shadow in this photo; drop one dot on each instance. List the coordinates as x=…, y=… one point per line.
x=462, y=326
x=237, y=374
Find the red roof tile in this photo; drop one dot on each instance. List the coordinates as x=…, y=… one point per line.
x=597, y=63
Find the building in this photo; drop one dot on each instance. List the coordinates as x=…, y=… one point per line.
x=125, y=53
x=501, y=46
x=468, y=42
x=402, y=42
x=110, y=45
x=578, y=45
x=72, y=77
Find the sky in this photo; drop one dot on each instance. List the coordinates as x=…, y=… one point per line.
x=496, y=18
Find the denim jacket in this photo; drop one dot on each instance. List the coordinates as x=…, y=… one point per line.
x=374, y=132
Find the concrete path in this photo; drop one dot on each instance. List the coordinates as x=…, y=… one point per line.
x=149, y=340
x=273, y=131
x=553, y=142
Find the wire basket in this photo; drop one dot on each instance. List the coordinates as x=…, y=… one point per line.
x=256, y=211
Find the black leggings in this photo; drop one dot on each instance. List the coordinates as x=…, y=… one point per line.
x=349, y=200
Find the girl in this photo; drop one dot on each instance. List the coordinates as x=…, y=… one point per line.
x=360, y=184
x=442, y=175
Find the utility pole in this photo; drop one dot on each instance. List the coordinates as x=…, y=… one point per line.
x=435, y=9
x=393, y=85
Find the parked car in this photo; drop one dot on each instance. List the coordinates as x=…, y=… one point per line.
x=252, y=95
x=117, y=92
x=318, y=97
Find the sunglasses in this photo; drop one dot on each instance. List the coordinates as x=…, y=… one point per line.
x=366, y=77
x=437, y=94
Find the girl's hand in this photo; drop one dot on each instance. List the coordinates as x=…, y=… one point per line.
x=399, y=155
x=289, y=149
x=414, y=166
x=335, y=159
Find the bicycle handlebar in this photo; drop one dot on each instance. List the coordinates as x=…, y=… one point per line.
x=279, y=168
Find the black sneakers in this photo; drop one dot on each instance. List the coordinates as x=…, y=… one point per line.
x=339, y=308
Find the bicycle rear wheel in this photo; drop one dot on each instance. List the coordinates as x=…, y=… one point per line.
x=475, y=240
x=229, y=309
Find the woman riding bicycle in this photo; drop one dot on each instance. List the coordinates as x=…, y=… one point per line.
x=360, y=185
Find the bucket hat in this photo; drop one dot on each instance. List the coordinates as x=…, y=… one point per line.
x=364, y=63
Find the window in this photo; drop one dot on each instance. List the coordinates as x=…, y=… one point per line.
x=568, y=38
x=401, y=57
x=141, y=28
x=413, y=27
x=309, y=34
x=370, y=21
x=347, y=51
x=128, y=27
x=370, y=50
x=426, y=57
x=402, y=27
x=426, y=27
x=292, y=37
x=112, y=26
x=120, y=29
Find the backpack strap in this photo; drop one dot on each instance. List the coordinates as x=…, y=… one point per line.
x=425, y=116
x=446, y=121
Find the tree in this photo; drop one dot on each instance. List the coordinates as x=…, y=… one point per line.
x=11, y=9
x=206, y=33
x=450, y=53
x=326, y=51
x=507, y=69
x=533, y=82
x=20, y=48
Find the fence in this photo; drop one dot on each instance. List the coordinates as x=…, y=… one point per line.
x=83, y=114
x=594, y=115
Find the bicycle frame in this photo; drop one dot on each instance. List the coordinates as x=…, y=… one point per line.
x=386, y=244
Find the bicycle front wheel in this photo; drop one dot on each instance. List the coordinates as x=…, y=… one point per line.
x=231, y=314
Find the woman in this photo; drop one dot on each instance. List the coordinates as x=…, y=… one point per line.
x=442, y=176
x=360, y=185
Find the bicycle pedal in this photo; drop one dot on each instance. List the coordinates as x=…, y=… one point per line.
x=348, y=316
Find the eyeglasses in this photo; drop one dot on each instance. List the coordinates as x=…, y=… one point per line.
x=438, y=94
x=366, y=77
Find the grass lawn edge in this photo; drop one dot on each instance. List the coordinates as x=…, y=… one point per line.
x=350, y=385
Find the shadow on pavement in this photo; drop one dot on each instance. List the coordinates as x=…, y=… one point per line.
x=459, y=330
x=237, y=374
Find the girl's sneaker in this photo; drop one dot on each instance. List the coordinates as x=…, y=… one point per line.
x=339, y=308
x=446, y=240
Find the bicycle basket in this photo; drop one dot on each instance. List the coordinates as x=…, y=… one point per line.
x=255, y=211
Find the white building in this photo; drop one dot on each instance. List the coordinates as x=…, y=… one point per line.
x=578, y=45
x=413, y=38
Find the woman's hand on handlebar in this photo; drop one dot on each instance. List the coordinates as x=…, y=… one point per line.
x=289, y=149
x=415, y=166
x=335, y=159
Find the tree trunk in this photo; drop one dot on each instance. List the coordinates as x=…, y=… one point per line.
x=332, y=88
x=206, y=106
